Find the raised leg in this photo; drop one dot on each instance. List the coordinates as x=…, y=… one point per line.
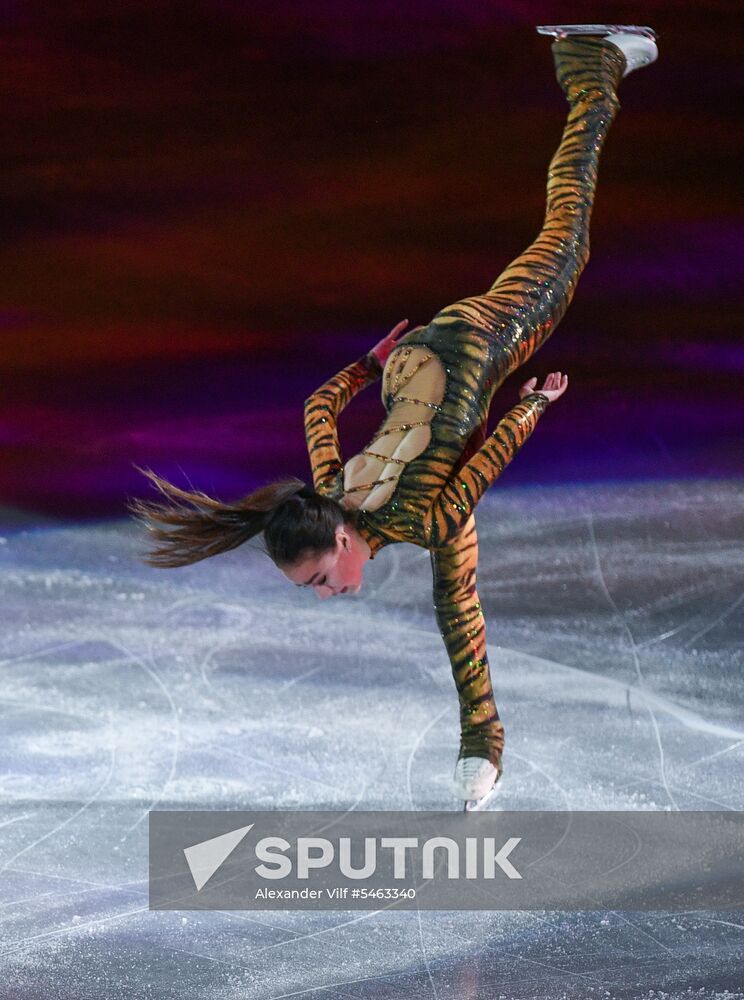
x=463, y=629
x=527, y=301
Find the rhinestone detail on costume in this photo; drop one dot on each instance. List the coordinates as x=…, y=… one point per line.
x=396, y=398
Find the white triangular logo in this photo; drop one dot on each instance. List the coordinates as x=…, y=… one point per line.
x=204, y=859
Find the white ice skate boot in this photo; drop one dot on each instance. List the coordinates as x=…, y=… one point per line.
x=475, y=778
x=636, y=42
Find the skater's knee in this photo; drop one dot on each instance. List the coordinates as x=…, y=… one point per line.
x=568, y=220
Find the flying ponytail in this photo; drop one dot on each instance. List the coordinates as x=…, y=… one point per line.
x=192, y=526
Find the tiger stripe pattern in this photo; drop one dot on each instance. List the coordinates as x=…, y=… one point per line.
x=463, y=628
x=480, y=340
x=321, y=418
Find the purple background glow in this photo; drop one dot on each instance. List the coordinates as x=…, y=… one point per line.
x=213, y=207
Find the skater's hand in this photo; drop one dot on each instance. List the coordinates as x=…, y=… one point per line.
x=382, y=349
x=555, y=385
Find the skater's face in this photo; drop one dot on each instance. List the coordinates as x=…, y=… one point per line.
x=338, y=571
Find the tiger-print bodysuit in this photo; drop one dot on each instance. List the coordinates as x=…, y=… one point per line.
x=478, y=341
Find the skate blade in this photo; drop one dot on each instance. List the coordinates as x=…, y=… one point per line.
x=477, y=805
x=564, y=30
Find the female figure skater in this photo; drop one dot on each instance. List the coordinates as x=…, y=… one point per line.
x=429, y=464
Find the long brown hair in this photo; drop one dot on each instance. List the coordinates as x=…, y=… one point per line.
x=295, y=521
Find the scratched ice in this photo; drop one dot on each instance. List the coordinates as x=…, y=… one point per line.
x=614, y=618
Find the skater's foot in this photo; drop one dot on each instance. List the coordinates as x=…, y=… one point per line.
x=637, y=43
x=474, y=777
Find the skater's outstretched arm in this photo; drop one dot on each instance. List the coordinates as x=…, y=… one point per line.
x=324, y=405
x=465, y=488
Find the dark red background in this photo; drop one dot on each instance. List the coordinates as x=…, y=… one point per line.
x=210, y=208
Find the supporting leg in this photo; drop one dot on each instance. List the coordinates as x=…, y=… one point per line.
x=527, y=301
x=463, y=629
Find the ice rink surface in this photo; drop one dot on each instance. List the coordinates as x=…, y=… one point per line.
x=615, y=627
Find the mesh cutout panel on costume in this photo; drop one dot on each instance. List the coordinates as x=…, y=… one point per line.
x=395, y=379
